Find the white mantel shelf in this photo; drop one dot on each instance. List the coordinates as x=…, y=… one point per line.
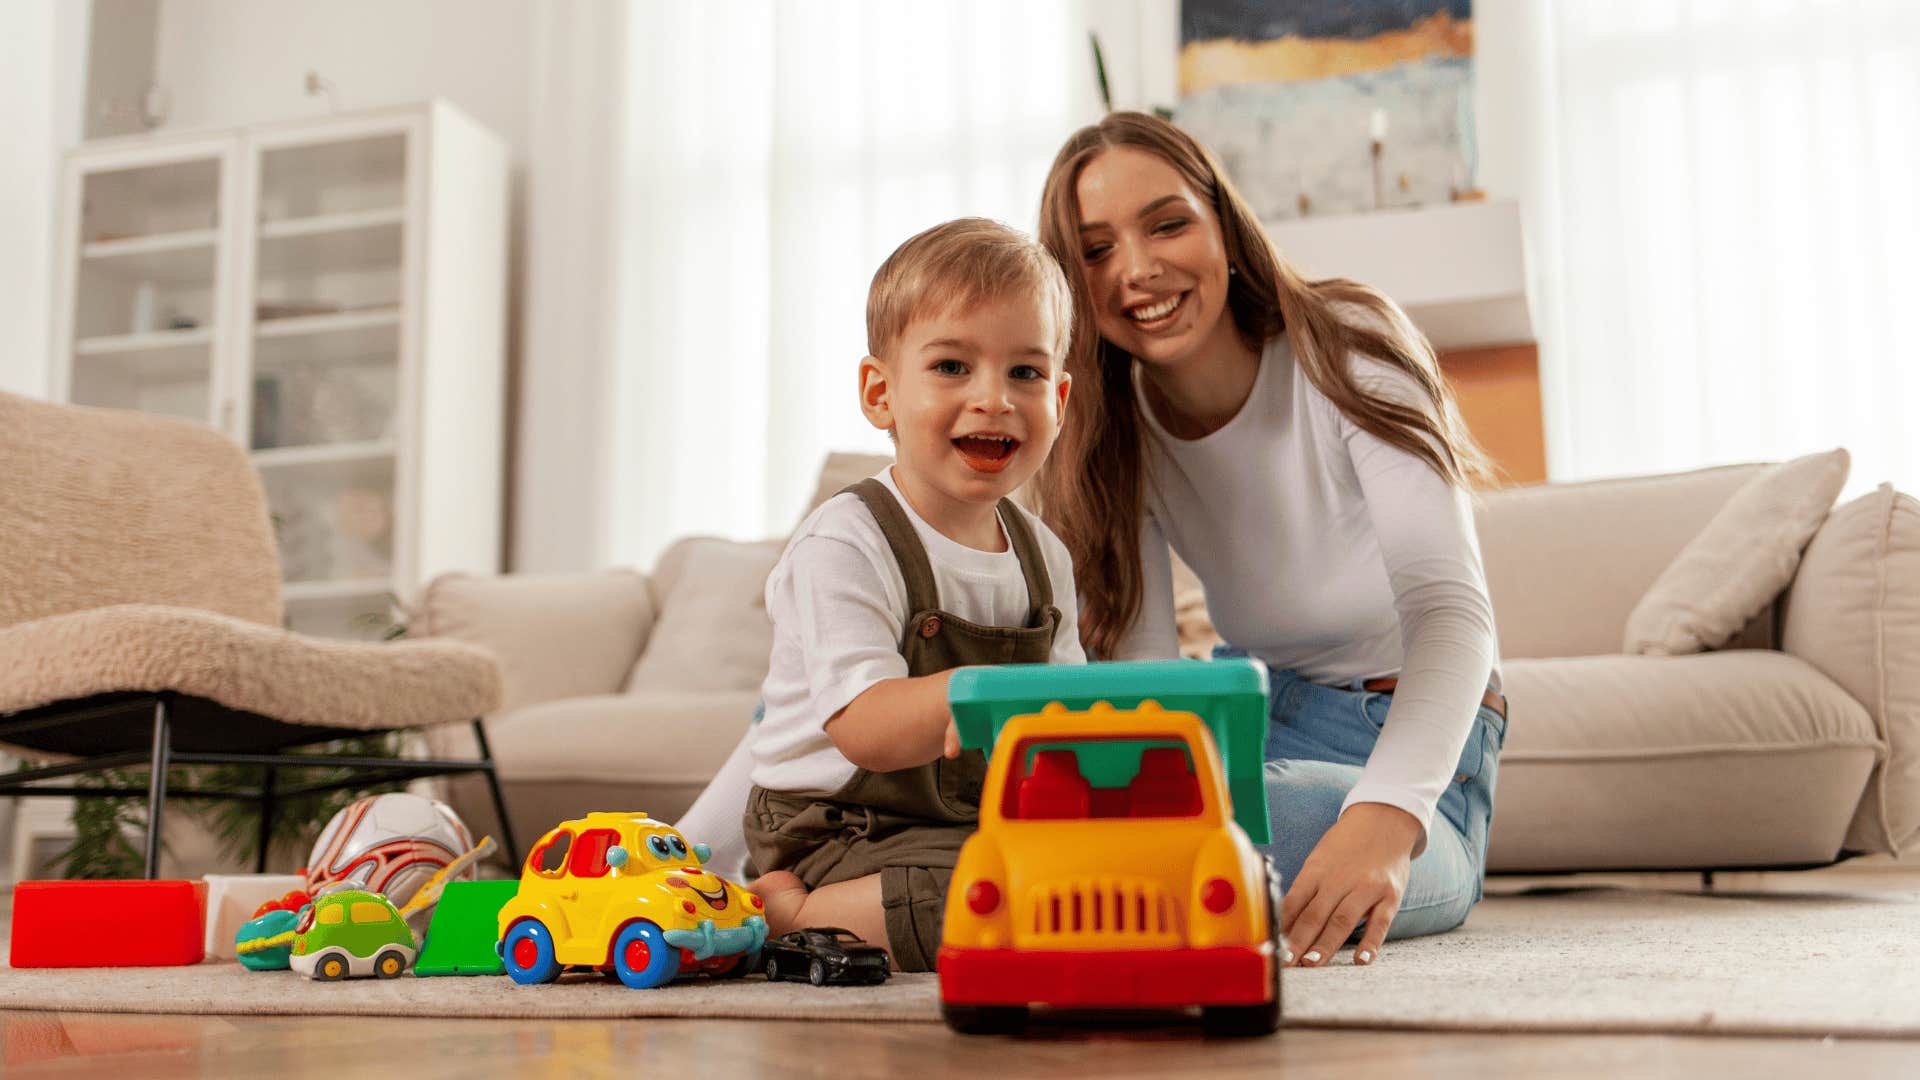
x=1459, y=270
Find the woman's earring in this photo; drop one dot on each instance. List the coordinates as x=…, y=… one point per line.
x=1232, y=270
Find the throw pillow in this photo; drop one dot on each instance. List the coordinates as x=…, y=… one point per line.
x=1743, y=558
x=713, y=632
x=1854, y=614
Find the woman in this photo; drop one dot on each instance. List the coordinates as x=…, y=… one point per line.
x=1295, y=443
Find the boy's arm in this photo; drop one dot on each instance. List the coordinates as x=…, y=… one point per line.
x=897, y=724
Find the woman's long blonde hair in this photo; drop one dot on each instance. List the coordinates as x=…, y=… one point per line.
x=1092, y=488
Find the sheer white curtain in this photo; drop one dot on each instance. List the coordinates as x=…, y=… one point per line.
x=775, y=152
x=1738, y=247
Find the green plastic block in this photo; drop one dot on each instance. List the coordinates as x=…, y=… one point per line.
x=1228, y=695
x=465, y=926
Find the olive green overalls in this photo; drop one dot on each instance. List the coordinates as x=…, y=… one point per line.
x=907, y=825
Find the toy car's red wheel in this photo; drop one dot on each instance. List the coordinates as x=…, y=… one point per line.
x=642, y=958
x=528, y=952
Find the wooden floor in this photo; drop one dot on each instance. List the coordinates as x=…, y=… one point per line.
x=83, y=1044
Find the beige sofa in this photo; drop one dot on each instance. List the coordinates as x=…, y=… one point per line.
x=1795, y=744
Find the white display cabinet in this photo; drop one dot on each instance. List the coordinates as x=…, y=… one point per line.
x=330, y=293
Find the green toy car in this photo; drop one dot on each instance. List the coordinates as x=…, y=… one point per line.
x=351, y=933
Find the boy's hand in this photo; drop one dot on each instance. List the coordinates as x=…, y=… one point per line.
x=952, y=748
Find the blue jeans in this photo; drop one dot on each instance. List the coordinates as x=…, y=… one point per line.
x=1318, y=739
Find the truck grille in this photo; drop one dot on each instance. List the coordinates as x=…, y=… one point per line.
x=1112, y=910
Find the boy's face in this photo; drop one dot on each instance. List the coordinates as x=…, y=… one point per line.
x=974, y=399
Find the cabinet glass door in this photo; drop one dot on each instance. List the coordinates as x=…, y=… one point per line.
x=147, y=298
x=327, y=275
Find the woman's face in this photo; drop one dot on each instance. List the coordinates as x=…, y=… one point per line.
x=1154, y=261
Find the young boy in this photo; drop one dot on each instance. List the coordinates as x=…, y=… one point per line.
x=861, y=796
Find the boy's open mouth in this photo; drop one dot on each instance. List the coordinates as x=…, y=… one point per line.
x=986, y=453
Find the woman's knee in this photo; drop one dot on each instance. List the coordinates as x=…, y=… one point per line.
x=1303, y=802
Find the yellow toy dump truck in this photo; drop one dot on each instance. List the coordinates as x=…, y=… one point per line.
x=1114, y=867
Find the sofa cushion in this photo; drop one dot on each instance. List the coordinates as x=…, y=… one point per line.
x=556, y=635
x=840, y=469
x=713, y=632
x=642, y=739
x=1737, y=758
x=1736, y=565
x=1567, y=562
x=1854, y=613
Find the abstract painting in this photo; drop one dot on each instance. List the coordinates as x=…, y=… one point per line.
x=1293, y=95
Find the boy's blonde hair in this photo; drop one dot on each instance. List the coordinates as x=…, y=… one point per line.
x=954, y=266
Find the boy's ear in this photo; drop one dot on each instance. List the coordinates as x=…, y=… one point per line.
x=875, y=393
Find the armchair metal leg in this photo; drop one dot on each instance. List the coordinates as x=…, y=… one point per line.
x=157, y=784
x=499, y=801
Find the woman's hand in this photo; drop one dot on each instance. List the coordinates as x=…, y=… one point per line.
x=1357, y=871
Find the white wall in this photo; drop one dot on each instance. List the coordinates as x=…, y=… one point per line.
x=42, y=79
x=228, y=64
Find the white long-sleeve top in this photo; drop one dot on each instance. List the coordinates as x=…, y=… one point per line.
x=1330, y=552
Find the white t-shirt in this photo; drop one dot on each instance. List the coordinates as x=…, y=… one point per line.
x=838, y=602
x=1328, y=551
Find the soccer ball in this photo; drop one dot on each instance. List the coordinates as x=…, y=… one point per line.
x=389, y=844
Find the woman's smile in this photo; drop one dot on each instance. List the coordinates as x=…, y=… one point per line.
x=1158, y=314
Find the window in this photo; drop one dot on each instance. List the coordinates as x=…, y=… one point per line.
x=332, y=915
x=1102, y=778
x=589, y=857
x=550, y=858
x=366, y=911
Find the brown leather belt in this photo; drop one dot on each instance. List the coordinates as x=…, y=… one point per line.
x=1492, y=699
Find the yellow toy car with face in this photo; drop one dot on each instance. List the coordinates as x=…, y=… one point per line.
x=626, y=894
x=1110, y=870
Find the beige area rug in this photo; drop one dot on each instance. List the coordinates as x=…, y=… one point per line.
x=1609, y=960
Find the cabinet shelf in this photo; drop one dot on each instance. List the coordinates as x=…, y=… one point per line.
x=356, y=240
x=151, y=342
x=294, y=457
x=341, y=322
x=344, y=338
x=169, y=258
x=319, y=592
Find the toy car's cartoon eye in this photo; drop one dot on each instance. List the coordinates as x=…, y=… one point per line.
x=679, y=846
x=658, y=845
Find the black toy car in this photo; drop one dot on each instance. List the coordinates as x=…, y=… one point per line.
x=825, y=954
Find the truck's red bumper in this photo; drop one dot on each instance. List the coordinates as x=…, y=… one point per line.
x=1170, y=978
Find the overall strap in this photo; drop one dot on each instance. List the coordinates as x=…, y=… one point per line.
x=908, y=552
x=1032, y=563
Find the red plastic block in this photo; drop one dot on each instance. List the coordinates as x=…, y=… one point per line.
x=109, y=923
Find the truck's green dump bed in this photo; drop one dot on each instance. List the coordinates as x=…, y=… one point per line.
x=1229, y=696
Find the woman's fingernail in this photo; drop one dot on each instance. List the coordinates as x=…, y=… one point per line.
x=1365, y=956
x=1313, y=957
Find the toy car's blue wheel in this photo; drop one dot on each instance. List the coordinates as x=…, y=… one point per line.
x=642, y=958
x=528, y=951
